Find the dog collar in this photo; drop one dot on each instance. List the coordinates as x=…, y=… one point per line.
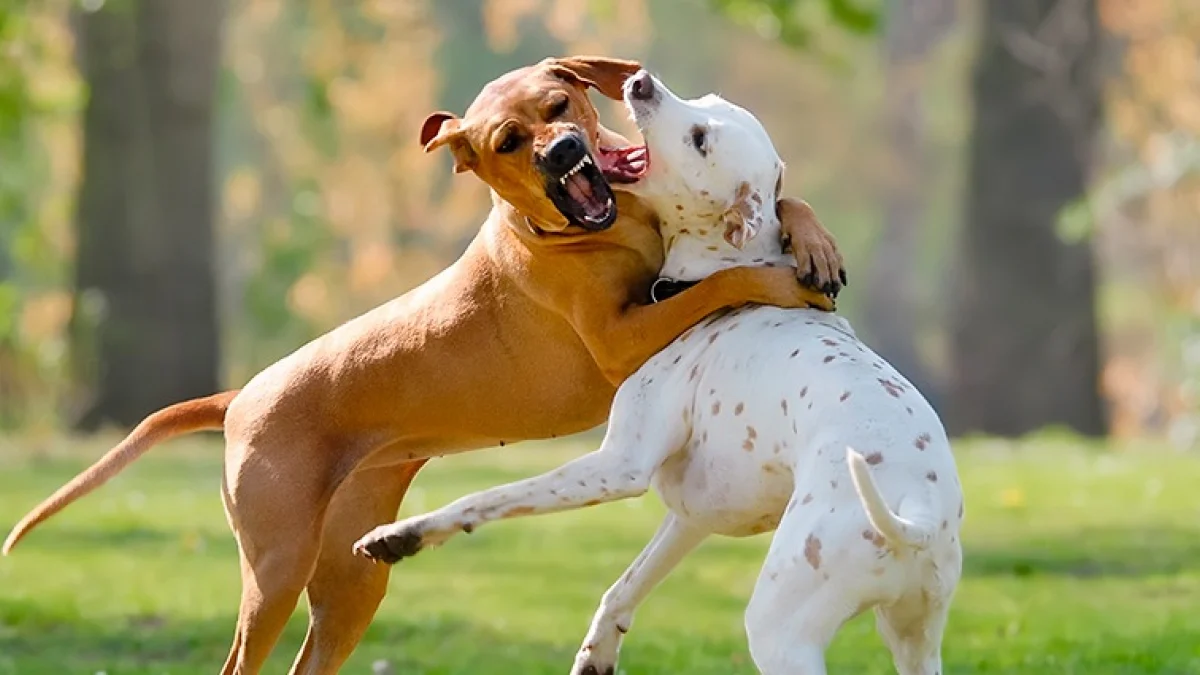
x=664, y=288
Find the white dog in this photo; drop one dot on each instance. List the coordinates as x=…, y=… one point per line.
x=744, y=424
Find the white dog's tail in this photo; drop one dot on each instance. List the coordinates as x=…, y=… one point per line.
x=895, y=530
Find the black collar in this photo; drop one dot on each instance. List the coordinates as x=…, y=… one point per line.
x=664, y=288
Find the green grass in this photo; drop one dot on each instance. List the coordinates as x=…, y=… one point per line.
x=1077, y=561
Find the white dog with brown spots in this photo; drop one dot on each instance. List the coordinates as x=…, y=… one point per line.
x=755, y=420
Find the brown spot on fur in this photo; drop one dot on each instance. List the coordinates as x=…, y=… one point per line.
x=716, y=409
x=751, y=433
x=737, y=409
x=877, y=571
x=812, y=551
x=960, y=510
x=875, y=538
x=909, y=409
x=923, y=440
x=679, y=207
x=518, y=511
x=827, y=359
x=804, y=392
x=713, y=338
x=591, y=502
x=833, y=484
x=831, y=343
x=694, y=373
x=770, y=468
x=807, y=498
x=845, y=395
x=748, y=445
x=945, y=524
x=874, y=458
x=931, y=476
x=794, y=354
x=677, y=358
x=778, y=449
x=783, y=405
x=711, y=248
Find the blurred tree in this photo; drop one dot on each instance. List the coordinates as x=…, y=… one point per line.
x=1024, y=343
x=144, y=327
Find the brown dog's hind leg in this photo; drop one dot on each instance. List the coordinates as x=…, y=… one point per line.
x=276, y=509
x=345, y=590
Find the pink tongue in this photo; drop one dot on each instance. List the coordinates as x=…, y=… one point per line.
x=580, y=190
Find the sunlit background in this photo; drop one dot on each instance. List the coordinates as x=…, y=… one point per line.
x=305, y=115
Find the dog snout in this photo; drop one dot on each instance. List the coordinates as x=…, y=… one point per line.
x=641, y=86
x=564, y=153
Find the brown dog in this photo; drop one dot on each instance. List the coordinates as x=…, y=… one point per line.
x=526, y=336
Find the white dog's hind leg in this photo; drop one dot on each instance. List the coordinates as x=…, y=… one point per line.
x=912, y=629
x=673, y=541
x=806, y=589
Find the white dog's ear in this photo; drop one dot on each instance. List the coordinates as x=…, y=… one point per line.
x=744, y=217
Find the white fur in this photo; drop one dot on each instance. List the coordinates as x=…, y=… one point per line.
x=744, y=425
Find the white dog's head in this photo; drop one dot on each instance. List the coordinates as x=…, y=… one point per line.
x=712, y=161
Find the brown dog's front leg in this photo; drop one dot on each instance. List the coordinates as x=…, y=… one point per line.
x=819, y=263
x=622, y=340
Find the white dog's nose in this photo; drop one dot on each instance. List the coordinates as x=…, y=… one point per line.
x=641, y=86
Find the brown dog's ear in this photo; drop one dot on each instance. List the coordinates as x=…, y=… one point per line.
x=442, y=128
x=744, y=217
x=605, y=75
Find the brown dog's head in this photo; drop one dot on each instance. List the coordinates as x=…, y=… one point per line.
x=534, y=137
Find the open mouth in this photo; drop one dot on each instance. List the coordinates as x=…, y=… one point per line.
x=584, y=195
x=624, y=165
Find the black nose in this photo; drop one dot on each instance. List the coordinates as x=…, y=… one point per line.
x=641, y=86
x=564, y=153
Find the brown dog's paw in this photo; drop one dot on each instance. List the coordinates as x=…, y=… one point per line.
x=819, y=263
x=389, y=544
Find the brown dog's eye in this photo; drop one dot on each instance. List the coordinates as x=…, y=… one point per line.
x=559, y=108
x=510, y=144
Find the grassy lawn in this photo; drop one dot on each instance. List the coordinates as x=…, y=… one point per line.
x=1077, y=561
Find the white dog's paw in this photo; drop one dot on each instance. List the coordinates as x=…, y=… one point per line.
x=394, y=542
x=588, y=663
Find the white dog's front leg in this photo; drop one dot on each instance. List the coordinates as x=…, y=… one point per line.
x=600, y=476
x=635, y=446
x=614, y=617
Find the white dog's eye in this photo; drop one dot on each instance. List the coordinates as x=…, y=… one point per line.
x=699, y=135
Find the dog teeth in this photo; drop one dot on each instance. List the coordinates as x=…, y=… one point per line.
x=576, y=169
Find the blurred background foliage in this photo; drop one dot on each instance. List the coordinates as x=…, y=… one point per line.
x=326, y=205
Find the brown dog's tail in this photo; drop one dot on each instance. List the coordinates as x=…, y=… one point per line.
x=181, y=418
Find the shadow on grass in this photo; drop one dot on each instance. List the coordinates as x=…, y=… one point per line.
x=35, y=642
x=1089, y=552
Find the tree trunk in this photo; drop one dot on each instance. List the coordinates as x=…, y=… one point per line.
x=144, y=329
x=1024, y=338
x=893, y=309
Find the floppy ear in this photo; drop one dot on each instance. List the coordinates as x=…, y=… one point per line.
x=744, y=217
x=442, y=128
x=605, y=75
